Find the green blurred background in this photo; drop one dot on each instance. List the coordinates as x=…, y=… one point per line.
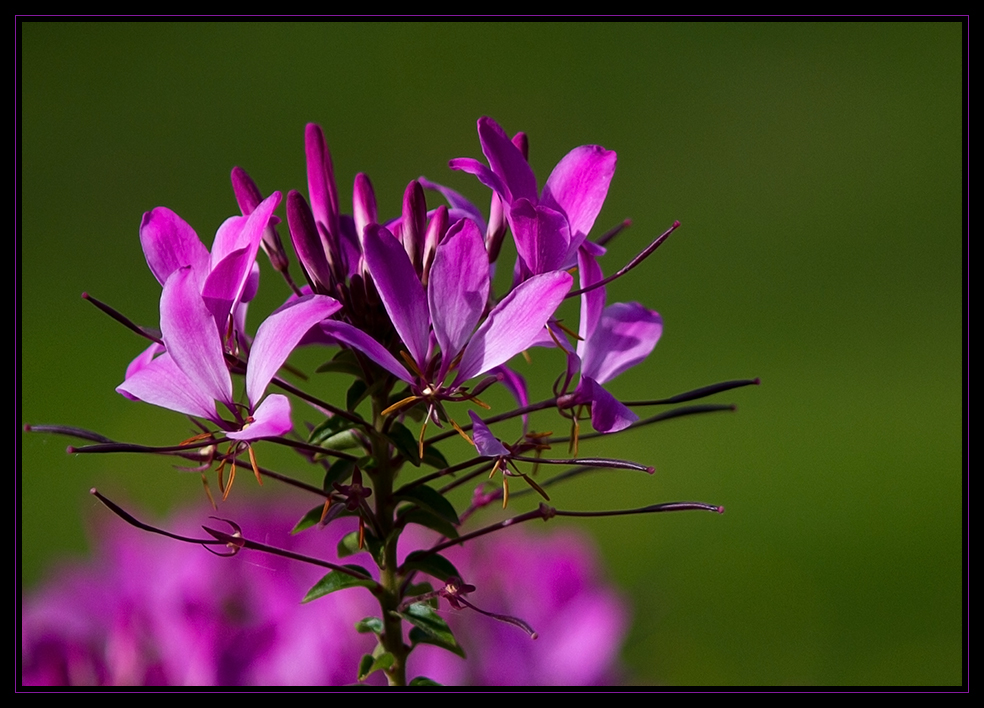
x=816, y=169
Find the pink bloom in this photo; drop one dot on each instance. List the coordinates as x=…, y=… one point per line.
x=150, y=611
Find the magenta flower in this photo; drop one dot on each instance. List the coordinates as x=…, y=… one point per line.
x=191, y=375
x=611, y=340
x=149, y=611
x=201, y=292
x=548, y=228
x=449, y=310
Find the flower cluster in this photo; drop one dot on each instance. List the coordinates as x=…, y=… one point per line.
x=405, y=306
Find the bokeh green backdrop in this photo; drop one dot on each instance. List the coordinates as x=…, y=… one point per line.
x=816, y=169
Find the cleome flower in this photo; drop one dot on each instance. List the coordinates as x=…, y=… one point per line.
x=610, y=340
x=202, y=310
x=448, y=311
x=549, y=227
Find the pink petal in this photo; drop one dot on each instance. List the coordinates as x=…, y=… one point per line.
x=514, y=323
x=191, y=338
x=400, y=289
x=578, y=185
x=270, y=420
x=542, y=236
x=608, y=415
x=169, y=243
x=485, y=442
x=507, y=161
x=357, y=339
x=625, y=335
x=458, y=289
x=279, y=335
x=161, y=383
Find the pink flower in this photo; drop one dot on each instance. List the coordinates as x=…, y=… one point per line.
x=150, y=611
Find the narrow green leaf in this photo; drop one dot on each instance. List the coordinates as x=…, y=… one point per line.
x=424, y=681
x=433, y=564
x=309, y=519
x=430, y=499
x=430, y=628
x=405, y=442
x=334, y=581
x=355, y=394
x=422, y=517
x=369, y=624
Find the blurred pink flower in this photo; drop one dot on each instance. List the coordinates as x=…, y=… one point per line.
x=153, y=611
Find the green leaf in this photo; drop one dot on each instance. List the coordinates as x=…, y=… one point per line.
x=334, y=581
x=418, y=589
x=344, y=362
x=431, y=563
x=405, y=442
x=349, y=546
x=369, y=664
x=339, y=471
x=331, y=426
x=358, y=392
x=435, y=458
x=309, y=519
x=429, y=628
x=422, y=517
x=355, y=395
x=424, y=681
x=430, y=499
x=369, y=624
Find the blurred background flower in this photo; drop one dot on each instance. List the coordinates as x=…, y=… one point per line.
x=151, y=611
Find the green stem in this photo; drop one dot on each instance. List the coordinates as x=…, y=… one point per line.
x=390, y=596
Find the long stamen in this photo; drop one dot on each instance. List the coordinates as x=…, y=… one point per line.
x=462, y=433
x=232, y=478
x=401, y=404
x=252, y=461
x=208, y=492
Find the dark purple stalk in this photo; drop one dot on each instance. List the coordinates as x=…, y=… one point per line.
x=631, y=264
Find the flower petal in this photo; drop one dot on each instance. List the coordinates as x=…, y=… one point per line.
x=161, y=383
x=542, y=236
x=357, y=339
x=593, y=301
x=191, y=338
x=270, y=420
x=579, y=184
x=141, y=362
x=169, y=243
x=608, y=415
x=458, y=289
x=485, y=442
x=625, y=335
x=484, y=174
x=514, y=323
x=400, y=289
x=507, y=161
x=456, y=202
x=233, y=255
x=279, y=335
